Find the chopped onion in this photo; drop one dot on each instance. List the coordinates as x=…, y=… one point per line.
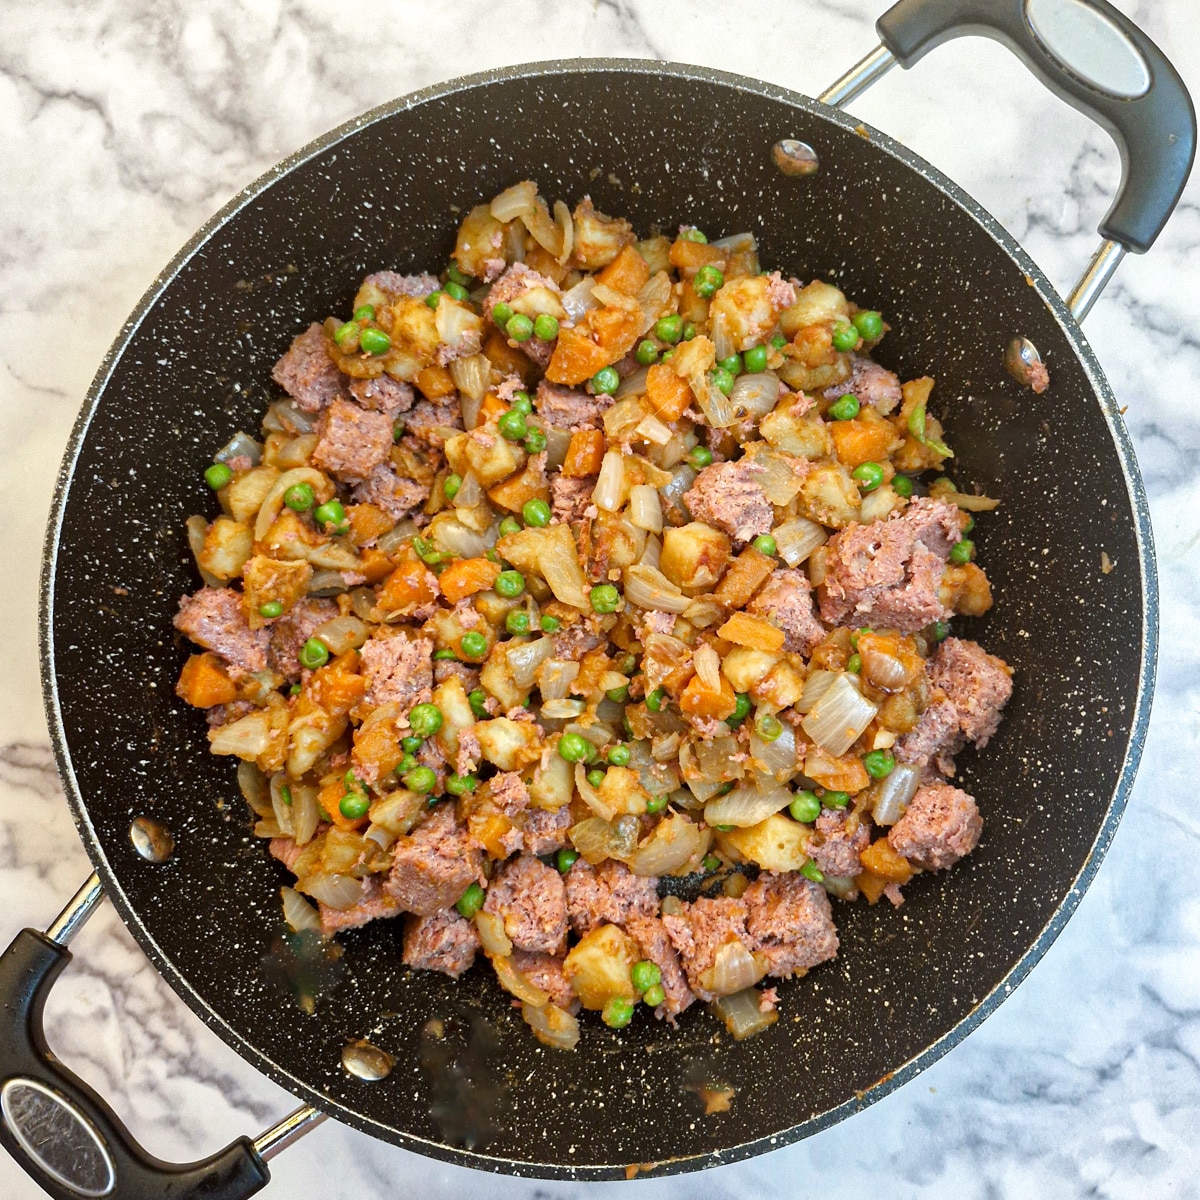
x=551, y=1025
x=651, y=429
x=703, y=790
x=248, y=737
x=645, y=509
x=633, y=385
x=708, y=667
x=544, y=231
x=273, y=501
x=653, y=299
x=457, y=539
x=342, y=634
x=717, y=758
x=884, y=670
x=516, y=201
x=267, y=829
x=335, y=891
x=241, y=444
x=742, y=1015
x=965, y=500
x=472, y=375
x=579, y=299
x=734, y=969
x=682, y=478
x=557, y=442
x=298, y=913
x=512, y=981
x=815, y=686
x=395, y=537
x=666, y=749
x=524, y=658
x=562, y=214
x=837, y=720
x=492, y=934
x=716, y=406
x=469, y=494
x=457, y=326
x=704, y=612
x=797, y=539
x=255, y=789
x=326, y=583
x=777, y=758
x=754, y=395
x=777, y=476
x=841, y=886
x=746, y=806
x=306, y=812
x=649, y=588
x=722, y=339
x=674, y=841
x=894, y=793
x=736, y=243
x=280, y=808
x=555, y=676
x=563, y=710
x=591, y=837
x=609, y=491
x=652, y=552
x=558, y=559
x=197, y=531
x=397, y=812
x=284, y=417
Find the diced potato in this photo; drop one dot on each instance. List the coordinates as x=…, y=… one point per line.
x=694, y=555
x=480, y=238
x=599, y=967
x=553, y=783
x=776, y=844
x=245, y=494
x=622, y=791
x=627, y=273
x=536, y=299
x=414, y=328
x=466, y=576
x=598, y=238
x=815, y=304
x=497, y=680
x=744, y=305
x=880, y=859
x=204, y=683
x=868, y=438
x=657, y=253
x=781, y=687
x=803, y=434
x=753, y=632
x=966, y=590
x=227, y=546
x=451, y=697
x=830, y=496
x=879, y=504
x=485, y=454
x=610, y=542
x=746, y=574
x=270, y=579
x=745, y=668
x=510, y=745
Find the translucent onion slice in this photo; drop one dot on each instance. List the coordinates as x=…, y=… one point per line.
x=306, y=812
x=335, y=891
x=298, y=913
x=609, y=492
x=708, y=667
x=517, y=201
x=563, y=710
x=797, y=539
x=513, y=982
x=815, y=686
x=756, y=394
x=472, y=375
x=895, y=792
x=654, y=431
x=579, y=299
x=241, y=444
x=673, y=843
x=342, y=633
x=736, y=243
x=558, y=559
x=734, y=969
x=776, y=759
x=645, y=509
x=551, y=1025
x=746, y=806
x=591, y=797
x=649, y=588
x=837, y=720
x=555, y=676
x=197, y=529
x=524, y=658
x=492, y=934
x=742, y=1015
x=633, y=385
x=255, y=788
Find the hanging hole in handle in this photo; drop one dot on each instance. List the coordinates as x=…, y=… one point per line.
x=1090, y=45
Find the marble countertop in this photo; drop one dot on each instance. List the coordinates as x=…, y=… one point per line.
x=128, y=124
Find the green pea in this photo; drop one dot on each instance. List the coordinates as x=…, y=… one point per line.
x=854, y=664
x=655, y=700
x=835, y=799
x=365, y=312
x=779, y=341
x=451, y=485
x=844, y=409
x=654, y=996
x=455, y=275
x=605, y=598
x=574, y=747
x=669, y=329
x=285, y=794
x=397, y=430
x=550, y=624
x=708, y=282
x=351, y=781
x=407, y=763
x=645, y=974
x=869, y=475
x=295, y=690
x=845, y=337
x=962, y=552
x=618, y=695
x=509, y=584
x=765, y=544
x=471, y=901
x=769, y=728
x=755, y=359
x=691, y=234
x=806, y=807
x=509, y=526
x=346, y=336
x=460, y=785
x=810, y=870
x=536, y=513
x=595, y=778
x=902, y=486
x=700, y=457
x=512, y=425
x=519, y=327
x=869, y=323
x=646, y=352
x=940, y=630
x=354, y=806
x=606, y=381
x=330, y=513
x=722, y=380
x=656, y=804
x=374, y=341
x=733, y=364
x=617, y=1012
x=313, y=654
x=474, y=645
x=619, y=755
x=445, y=656
x=879, y=764
x=711, y=862
x=723, y=828
x=217, y=476
x=521, y=403
x=425, y=719
x=456, y=291
x=689, y=330
x=434, y=298
x=565, y=859
x=420, y=779
x=410, y=745
x=968, y=524
x=502, y=314
x=299, y=497
x=545, y=327
x=535, y=441
x=272, y=608
x=741, y=710
x=517, y=622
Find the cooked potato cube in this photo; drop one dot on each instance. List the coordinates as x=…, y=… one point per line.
x=745, y=308
x=776, y=844
x=781, y=687
x=745, y=668
x=451, y=697
x=599, y=967
x=270, y=579
x=227, y=546
x=510, y=745
x=694, y=555
x=815, y=304
x=622, y=791
x=830, y=496
x=485, y=454
x=245, y=494
x=553, y=783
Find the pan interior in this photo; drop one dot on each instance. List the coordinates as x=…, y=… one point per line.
x=660, y=146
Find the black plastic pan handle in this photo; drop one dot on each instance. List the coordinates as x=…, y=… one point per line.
x=60, y=1131
x=1099, y=62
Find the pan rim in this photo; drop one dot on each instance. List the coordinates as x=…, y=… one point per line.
x=1004, y=987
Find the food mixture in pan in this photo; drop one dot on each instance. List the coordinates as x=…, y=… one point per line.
x=590, y=562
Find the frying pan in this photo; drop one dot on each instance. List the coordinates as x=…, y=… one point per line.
x=660, y=144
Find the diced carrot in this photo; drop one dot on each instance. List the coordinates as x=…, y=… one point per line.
x=338, y=687
x=692, y=307
x=330, y=797
x=871, y=885
x=700, y=701
x=585, y=453
x=691, y=256
x=409, y=586
x=516, y=491
x=880, y=859
x=376, y=565
x=616, y=329
x=466, y=576
x=435, y=382
x=746, y=574
x=492, y=408
x=752, y=632
x=845, y=774
x=543, y=262
x=508, y=359
x=488, y=830
x=627, y=273
x=367, y=522
x=666, y=393
x=576, y=357
x=203, y=682
x=868, y=438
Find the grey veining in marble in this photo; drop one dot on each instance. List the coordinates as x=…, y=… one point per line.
x=127, y=124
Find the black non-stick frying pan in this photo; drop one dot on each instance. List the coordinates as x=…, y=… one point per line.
x=661, y=145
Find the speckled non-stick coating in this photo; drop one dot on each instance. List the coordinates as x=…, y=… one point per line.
x=662, y=146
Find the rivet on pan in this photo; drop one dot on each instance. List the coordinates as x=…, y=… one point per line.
x=794, y=158
x=152, y=839
x=1025, y=364
x=364, y=1061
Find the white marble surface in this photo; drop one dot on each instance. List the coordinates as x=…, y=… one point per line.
x=127, y=123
